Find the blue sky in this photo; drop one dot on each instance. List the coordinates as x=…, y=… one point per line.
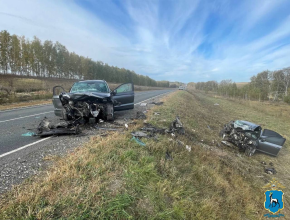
x=174, y=40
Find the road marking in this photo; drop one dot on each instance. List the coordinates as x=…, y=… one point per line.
x=152, y=98
x=27, y=107
x=36, y=142
x=28, y=145
x=25, y=116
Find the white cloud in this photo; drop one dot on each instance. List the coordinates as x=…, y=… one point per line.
x=158, y=43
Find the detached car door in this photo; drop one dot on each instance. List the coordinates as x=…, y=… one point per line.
x=56, y=102
x=124, y=95
x=270, y=142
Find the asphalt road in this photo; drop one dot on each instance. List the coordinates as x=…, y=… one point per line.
x=14, y=123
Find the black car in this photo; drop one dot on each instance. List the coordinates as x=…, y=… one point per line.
x=92, y=99
x=250, y=137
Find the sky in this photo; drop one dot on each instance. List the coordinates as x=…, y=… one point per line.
x=175, y=40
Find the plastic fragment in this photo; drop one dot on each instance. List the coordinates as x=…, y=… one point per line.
x=28, y=134
x=137, y=140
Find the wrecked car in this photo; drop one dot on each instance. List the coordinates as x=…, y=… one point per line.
x=250, y=137
x=92, y=99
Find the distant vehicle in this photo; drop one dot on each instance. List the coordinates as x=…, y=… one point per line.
x=250, y=137
x=181, y=87
x=92, y=98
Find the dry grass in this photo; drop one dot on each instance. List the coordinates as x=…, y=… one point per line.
x=115, y=178
x=24, y=104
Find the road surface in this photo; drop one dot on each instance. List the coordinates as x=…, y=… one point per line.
x=14, y=123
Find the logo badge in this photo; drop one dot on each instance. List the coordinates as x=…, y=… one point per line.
x=274, y=197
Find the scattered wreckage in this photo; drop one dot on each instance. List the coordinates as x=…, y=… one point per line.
x=249, y=137
x=92, y=99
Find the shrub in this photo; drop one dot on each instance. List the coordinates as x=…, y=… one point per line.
x=287, y=99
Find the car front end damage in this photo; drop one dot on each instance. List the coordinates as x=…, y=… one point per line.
x=80, y=107
x=249, y=137
x=86, y=105
x=242, y=134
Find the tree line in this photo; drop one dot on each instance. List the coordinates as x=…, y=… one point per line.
x=267, y=85
x=20, y=56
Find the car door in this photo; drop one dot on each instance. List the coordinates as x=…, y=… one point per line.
x=270, y=142
x=124, y=95
x=55, y=100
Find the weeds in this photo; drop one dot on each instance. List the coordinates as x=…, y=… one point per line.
x=115, y=178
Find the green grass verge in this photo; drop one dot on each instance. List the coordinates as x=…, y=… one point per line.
x=115, y=178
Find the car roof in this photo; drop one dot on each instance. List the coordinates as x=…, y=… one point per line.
x=92, y=81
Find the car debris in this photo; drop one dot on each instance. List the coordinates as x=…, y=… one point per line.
x=140, y=115
x=46, y=128
x=92, y=99
x=176, y=126
x=138, y=141
x=249, y=137
x=156, y=103
x=188, y=148
x=139, y=134
x=28, y=134
x=270, y=171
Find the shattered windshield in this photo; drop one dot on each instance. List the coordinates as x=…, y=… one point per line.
x=90, y=87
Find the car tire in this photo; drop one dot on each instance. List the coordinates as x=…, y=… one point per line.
x=110, y=113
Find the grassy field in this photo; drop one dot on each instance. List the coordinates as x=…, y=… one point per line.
x=115, y=178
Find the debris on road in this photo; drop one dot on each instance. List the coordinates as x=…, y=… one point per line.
x=28, y=134
x=45, y=128
x=138, y=141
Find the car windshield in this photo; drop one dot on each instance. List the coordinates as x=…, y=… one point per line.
x=90, y=87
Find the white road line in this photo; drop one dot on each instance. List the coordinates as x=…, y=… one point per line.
x=28, y=145
x=27, y=107
x=36, y=142
x=152, y=98
x=25, y=116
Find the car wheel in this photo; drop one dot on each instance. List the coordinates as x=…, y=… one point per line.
x=110, y=113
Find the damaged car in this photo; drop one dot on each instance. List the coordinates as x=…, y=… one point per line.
x=249, y=137
x=92, y=99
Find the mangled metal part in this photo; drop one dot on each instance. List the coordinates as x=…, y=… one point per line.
x=249, y=137
x=46, y=128
x=176, y=126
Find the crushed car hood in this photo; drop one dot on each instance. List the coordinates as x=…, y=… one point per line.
x=245, y=125
x=86, y=95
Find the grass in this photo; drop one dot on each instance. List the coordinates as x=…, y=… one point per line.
x=115, y=178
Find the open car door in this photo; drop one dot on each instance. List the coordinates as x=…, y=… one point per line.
x=270, y=142
x=124, y=95
x=56, y=102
